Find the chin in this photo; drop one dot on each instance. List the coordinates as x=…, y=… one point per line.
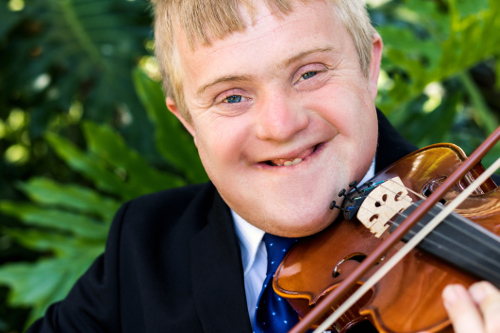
x=301, y=226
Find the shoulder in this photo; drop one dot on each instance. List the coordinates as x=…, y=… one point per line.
x=391, y=144
x=168, y=214
x=174, y=201
x=496, y=179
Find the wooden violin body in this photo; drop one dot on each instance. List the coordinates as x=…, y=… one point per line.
x=408, y=299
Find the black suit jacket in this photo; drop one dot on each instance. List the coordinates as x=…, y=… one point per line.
x=172, y=264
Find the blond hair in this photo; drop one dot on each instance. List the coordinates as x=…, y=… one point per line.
x=201, y=20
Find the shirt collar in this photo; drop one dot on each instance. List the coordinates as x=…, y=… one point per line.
x=369, y=175
x=249, y=238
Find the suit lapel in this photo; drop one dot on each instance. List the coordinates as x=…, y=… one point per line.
x=217, y=274
x=391, y=145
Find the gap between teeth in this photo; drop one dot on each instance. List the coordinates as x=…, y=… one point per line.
x=290, y=163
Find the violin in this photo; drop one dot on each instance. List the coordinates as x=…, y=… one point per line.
x=408, y=298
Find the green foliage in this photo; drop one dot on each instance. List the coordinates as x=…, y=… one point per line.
x=443, y=51
x=429, y=46
x=68, y=222
x=8, y=19
x=48, y=280
x=174, y=143
x=57, y=51
x=76, y=198
x=71, y=234
x=76, y=224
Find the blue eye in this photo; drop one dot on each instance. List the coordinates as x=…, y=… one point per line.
x=233, y=99
x=308, y=75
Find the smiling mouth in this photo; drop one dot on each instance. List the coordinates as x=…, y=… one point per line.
x=286, y=162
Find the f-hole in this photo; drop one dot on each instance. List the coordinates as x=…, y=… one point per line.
x=428, y=192
x=359, y=257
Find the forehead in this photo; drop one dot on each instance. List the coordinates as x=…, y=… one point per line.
x=270, y=37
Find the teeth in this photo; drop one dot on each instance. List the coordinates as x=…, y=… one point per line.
x=290, y=163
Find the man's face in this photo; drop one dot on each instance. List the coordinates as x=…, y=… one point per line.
x=282, y=92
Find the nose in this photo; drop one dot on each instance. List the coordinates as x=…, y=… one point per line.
x=280, y=118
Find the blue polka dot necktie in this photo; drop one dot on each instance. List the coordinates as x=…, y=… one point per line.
x=274, y=314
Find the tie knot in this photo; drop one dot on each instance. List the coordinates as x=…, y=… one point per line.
x=277, y=247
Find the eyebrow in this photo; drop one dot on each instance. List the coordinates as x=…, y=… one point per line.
x=284, y=64
x=293, y=59
x=229, y=78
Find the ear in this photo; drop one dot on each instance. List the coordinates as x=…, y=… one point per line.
x=375, y=59
x=175, y=110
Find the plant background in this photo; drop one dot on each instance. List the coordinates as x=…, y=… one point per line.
x=83, y=125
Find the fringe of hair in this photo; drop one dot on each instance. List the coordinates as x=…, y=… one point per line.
x=205, y=20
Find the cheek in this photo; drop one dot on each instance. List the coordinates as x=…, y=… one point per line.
x=220, y=148
x=212, y=153
x=350, y=109
x=346, y=109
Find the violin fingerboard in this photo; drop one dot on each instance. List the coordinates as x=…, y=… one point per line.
x=459, y=242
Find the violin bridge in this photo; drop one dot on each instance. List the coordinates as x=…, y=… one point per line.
x=385, y=201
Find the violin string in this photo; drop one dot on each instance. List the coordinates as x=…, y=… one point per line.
x=454, y=226
x=444, y=237
x=389, y=264
x=494, y=271
x=397, y=194
x=417, y=194
x=450, y=240
x=471, y=252
x=459, y=230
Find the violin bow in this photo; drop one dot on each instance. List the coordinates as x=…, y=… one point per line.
x=394, y=238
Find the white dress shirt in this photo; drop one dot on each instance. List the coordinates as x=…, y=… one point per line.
x=254, y=254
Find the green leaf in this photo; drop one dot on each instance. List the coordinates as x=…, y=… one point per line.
x=90, y=167
x=411, y=48
x=8, y=19
x=485, y=117
x=173, y=142
x=492, y=156
x=142, y=178
x=467, y=7
x=93, y=45
x=497, y=72
x=59, y=244
x=48, y=192
x=44, y=282
x=432, y=56
x=81, y=226
x=431, y=17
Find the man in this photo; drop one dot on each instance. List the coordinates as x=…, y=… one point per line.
x=279, y=97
